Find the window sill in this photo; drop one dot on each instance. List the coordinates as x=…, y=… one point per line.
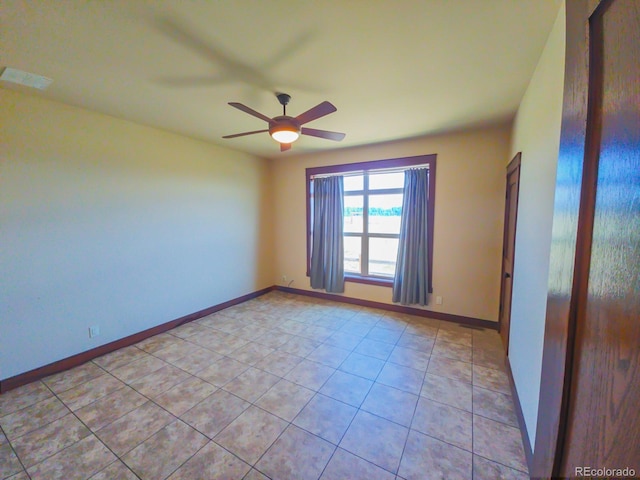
x=382, y=282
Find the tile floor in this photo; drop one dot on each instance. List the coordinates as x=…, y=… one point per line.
x=280, y=387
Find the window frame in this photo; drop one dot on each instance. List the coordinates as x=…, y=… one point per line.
x=391, y=163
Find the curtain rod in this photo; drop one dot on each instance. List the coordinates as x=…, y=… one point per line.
x=371, y=170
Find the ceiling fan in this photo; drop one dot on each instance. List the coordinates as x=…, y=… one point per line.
x=285, y=129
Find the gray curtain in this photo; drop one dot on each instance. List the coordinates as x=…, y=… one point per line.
x=327, y=254
x=411, y=283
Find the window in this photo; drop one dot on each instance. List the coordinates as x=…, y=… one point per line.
x=373, y=193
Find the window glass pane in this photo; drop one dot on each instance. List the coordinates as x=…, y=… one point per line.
x=353, y=182
x=378, y=181
x=384, y=213
x=352, y=254
x=382, y=256
x=353, y=206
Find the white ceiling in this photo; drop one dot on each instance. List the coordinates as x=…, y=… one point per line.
x=393, y=68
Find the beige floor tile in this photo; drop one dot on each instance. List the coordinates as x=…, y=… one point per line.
x=428, y=330
x=362, y=366
x=328, y=355
x=39, y=444
x=119, y=358
x=279, y=363
x=487, y=470
x=197, y=360
x=358, y=328
x=222, y=371
x=251, y=384
x=230, y=344
x=251, y=353
x=160, y=380
x=498, y=442
x=390, y=403
x=213, y=463
x=296, y=454
x=409, y=357
x=160, y=455
x=251, y=434
x=343, y=340
x=402, y=378
x=75, y=376
x=285, y=399
x=157, y=342
x=490, y=358
x=188, y=330
x=376, y=440
x=384, y=335
x=110, y=408
x=23, y=397
x=299, y=346
x=215, y=412
x=9, y=463
x=442, y=460
x=347, y=388
x=447, y=367
x=457, y=351
x=90, y=391
x=184, y=396
x=138, y=368
x=81, y=460
x=326, y=417
x=447, y=390
x=19, y=476
x=344, y=465
x=374, y=348
x=274, y=339
x=115, y=471
x=444, y=422
x=310, y=374
x=135, y=427
x=494, y=405
x=416, y=342
x=33, y=417
x=174, y=351
x=453, y=334
x=491, y=379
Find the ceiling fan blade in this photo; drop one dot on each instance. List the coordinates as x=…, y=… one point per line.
x=320, y=110
x=335, y=136
x=245, y=133
x=250, y=111
x=285, y=146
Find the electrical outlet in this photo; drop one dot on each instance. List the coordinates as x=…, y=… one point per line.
x=94, y=331
x=284, y=279
x=438, y=300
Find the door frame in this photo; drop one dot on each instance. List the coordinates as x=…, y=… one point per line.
x=561, y=317
x=513, y=168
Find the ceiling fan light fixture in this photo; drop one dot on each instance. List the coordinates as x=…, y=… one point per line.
x=285, y=135
x=284, y=129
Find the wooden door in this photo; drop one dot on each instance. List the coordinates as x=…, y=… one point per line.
x=508, y=247
x=590, y=391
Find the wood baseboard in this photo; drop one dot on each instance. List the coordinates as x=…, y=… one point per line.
x=523, y=426
x=447, y=317
x=83, y=357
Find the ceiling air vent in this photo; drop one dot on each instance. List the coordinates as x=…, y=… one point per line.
x=32, y=80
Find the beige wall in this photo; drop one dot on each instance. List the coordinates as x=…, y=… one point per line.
x=106, y=222
x=470, y=183
x=536, y=133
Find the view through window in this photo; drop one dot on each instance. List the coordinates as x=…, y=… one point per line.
x=373, y=193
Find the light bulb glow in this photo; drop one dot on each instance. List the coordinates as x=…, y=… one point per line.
x=285, y=136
